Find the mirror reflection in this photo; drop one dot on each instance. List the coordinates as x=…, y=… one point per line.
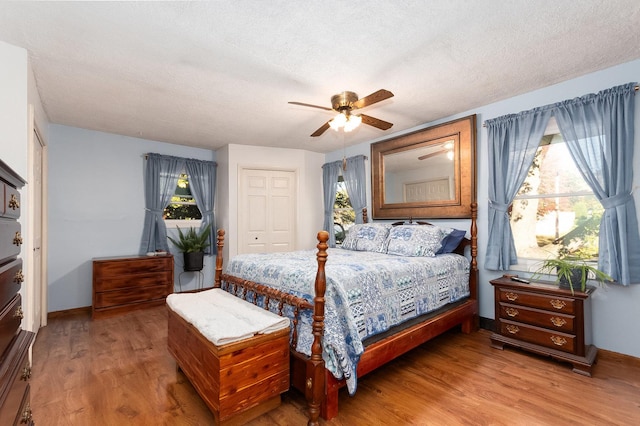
x=429, y=173
x=422, y=173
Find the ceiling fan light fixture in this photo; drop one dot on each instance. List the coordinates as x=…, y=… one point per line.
x=353, y=122
x=338, y=121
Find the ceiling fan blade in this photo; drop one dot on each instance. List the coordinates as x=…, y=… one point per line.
x=376, y=122
x=321, y=130
x=378, y=96
x=433, y=154
x=312, y=106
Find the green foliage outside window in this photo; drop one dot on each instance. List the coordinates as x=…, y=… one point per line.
x=183, y=205
x=343, y=214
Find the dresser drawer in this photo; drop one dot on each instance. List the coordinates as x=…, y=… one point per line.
x=129, y=295
x=546, y=302
x=10, y=319
x=10, y=239
x=151, y=264
x=528, y=333
x=546, y=319
x=10, y=279
x=11, y=202
x=16, y=403
x=128, y=281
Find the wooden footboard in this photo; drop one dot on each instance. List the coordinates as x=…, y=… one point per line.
x=308, y=374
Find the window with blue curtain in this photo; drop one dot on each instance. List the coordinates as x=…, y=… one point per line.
x=599, y=133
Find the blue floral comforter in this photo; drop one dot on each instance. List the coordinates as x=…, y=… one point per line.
x=367, y=293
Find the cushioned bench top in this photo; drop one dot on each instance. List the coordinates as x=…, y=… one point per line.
x=223, y=318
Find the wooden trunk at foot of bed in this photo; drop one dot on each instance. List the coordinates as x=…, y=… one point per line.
x=238, y=381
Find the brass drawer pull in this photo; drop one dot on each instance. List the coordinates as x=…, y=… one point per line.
x=17, y=240
x=18, y=313
x=558, y=304
x=26, y=373
x=13, y=202
x=511, y=312
x=558, y=322
x=18, y=278
x=511, y=296
x=513, y=329
x=558, y=340
x=27, y=415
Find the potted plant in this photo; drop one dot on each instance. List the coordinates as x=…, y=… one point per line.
x=572, y=273
x=192, y=244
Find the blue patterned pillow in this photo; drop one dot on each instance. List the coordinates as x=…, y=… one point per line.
x=452, y=241
x=367, y=237
x=415, y=240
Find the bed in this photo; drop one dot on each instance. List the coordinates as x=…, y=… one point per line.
x=371, y=339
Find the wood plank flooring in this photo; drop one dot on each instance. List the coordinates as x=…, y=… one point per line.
x=117, y=371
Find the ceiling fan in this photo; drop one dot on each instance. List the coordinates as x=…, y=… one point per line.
x=344, y=103
x=445, y=148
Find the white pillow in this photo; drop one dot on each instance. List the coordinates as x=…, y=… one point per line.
x=415, y=240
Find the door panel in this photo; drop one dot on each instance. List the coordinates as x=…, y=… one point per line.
x=267, y=210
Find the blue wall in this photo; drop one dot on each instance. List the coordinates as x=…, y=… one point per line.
x=96, y=207
x=616, y=309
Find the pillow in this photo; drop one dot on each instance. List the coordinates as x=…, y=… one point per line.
x=452, y=241
x=367, y=237
x=415, y=240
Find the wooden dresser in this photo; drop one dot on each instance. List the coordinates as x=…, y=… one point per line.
x=541, y=317
x=121, y=284
x=15, y=370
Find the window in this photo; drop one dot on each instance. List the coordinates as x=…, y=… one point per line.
x=182, y=206
x=555, y=213
x=344, y=216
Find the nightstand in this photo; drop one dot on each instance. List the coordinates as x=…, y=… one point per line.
x=541, y=317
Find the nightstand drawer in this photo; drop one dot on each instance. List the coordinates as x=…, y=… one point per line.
x=546, y=319
x=540, y=301
x=528, y=333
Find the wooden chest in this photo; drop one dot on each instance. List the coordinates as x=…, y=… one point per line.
x=543, y=318
x=238, y=381
x=121, y=284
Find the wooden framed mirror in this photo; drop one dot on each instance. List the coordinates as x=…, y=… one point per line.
x=430, y=173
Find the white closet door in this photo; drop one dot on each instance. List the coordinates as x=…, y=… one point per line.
x=267, y=211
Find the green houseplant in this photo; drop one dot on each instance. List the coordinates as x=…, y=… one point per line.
x=572, y=273
x=192, y=244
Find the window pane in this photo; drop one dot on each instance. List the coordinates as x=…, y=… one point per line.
x=555, y=213
x=183, y=205
x=343, y=214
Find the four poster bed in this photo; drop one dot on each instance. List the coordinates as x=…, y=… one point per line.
x=332, y=347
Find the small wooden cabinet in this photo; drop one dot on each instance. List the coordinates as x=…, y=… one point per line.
x=541, y=317
x=15, y=370
x=121, y=284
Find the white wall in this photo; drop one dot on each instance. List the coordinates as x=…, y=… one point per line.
x=616, y=316
x=13, y=107
x=96, y=207
x=308, y=166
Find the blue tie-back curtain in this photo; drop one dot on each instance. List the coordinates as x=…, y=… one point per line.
x=202, y=179
x=599, y=132
x=355, y=181
x=330, y=174
x=513, y=142
x=161, y=177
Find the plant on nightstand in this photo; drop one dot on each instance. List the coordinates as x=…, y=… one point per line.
x=192, y=244
x=572, y=273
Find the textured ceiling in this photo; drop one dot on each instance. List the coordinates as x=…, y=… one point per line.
x=207, y=74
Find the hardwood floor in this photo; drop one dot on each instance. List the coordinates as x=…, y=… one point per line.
x=117, y=371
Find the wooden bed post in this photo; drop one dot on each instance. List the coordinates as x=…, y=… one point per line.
x=216, y=281
x=315, y=382
x=473, y=323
